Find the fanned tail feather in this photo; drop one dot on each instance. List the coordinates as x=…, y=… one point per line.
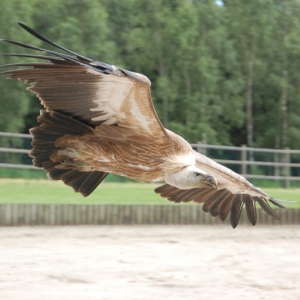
x=54, y=125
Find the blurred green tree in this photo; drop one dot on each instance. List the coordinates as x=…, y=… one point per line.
x=223, y=74
x=14, y=100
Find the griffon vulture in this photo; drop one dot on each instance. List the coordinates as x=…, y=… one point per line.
x=99, y=119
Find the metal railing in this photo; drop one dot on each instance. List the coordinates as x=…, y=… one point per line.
x=280, y=161
x=281, y=164
x=15, y=150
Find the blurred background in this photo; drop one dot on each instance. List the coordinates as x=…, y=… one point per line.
x=222, y=72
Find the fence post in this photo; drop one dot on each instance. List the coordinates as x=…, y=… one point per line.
x=201, y=149
x=244, y=160
x=287, y=160
x=276, y=167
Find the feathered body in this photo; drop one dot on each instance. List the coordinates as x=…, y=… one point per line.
x=99, y=119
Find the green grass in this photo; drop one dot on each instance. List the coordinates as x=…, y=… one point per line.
x=22, y=173
x=47, y=191
x=50, y=192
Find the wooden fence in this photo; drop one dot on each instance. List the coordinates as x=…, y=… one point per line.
x=68, y=214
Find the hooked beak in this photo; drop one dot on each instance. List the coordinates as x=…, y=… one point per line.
x=211, y=181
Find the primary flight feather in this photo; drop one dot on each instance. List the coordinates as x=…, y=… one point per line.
x=99, y=119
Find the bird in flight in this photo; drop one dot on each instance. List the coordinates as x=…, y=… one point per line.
x=100, y=119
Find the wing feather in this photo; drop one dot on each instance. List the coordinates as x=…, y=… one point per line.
x=203, y=195
x=219, y=202
x=224, y=207
x=89, y=90
x=214, y=209
x=250, y=209
x=236, y=209
x=266, y=207
x=184, y=196
x=209, y=202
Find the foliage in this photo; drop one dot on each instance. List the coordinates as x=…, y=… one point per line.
x=14, y=100
x=223, y=74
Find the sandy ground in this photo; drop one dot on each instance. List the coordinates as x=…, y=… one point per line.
x=150, y=262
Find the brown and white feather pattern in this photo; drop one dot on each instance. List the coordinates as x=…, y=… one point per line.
x=100, y=119
x=233, y=192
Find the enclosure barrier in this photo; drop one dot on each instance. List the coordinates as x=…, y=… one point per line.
x=73, y=214
x=252, y=163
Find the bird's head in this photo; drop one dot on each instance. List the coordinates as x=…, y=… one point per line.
x=191, y=177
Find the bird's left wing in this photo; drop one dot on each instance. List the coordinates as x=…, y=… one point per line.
x=88, y=90
x=233, y=192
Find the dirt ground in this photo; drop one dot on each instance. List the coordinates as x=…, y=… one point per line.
x=150, y=262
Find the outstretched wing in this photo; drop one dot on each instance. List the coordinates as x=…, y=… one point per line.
x=233, y=192
x=91, y=91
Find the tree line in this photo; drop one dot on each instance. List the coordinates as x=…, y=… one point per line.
x=225, y=73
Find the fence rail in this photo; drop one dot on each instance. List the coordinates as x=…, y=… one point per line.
x=281, y=164
x=280, y=160
x=68, y=214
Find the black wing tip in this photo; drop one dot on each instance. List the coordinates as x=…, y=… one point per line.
x=276, y=202
x=75, y=58
x=25, y=27
x=236, y=210
x=21, y=24
x=263, y=202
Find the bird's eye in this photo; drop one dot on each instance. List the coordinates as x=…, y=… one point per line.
x=197, y=174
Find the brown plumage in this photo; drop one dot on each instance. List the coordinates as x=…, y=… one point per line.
x=99, y=119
